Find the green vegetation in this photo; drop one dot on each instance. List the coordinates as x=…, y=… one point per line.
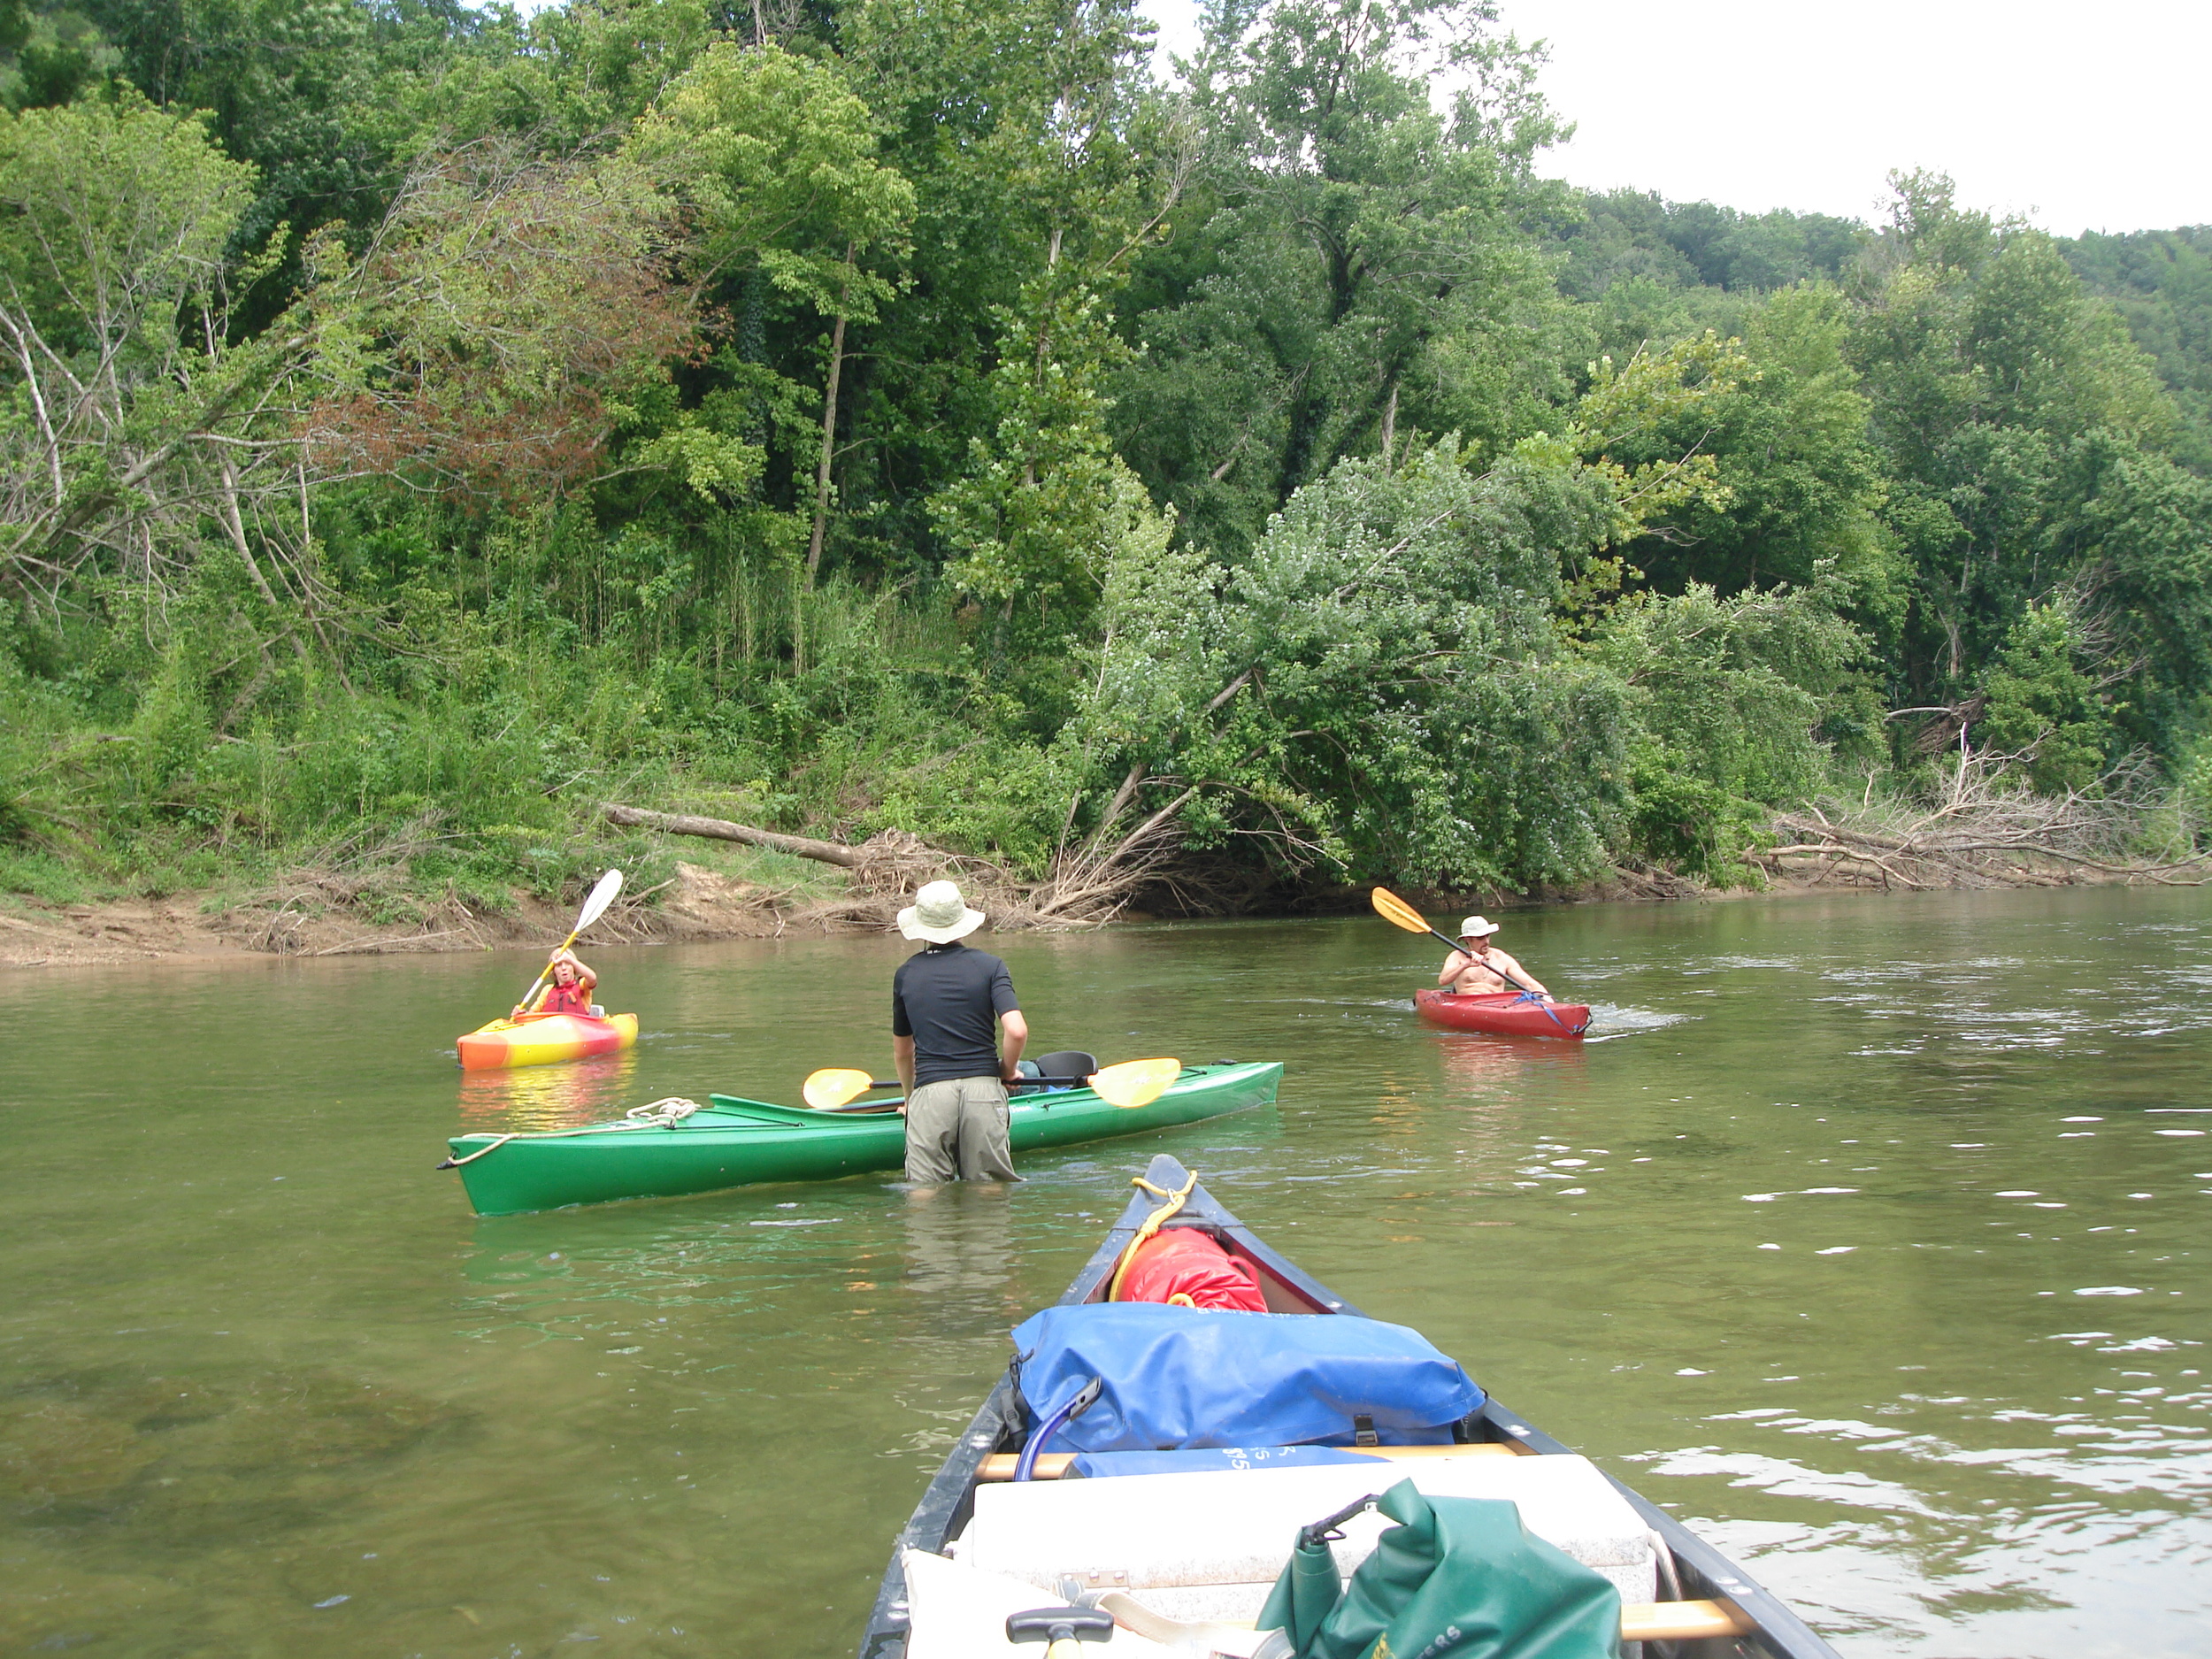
x=422, y=424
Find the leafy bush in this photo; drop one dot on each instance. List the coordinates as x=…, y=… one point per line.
x=2041, y=706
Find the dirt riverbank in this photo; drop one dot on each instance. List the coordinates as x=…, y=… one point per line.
x=696, y=905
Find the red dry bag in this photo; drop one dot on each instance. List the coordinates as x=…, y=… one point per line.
x=1186, y=1266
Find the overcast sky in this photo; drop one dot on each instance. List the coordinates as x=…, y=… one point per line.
x=2076, y=117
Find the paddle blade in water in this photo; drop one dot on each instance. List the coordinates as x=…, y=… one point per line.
x=603, y=896
x=1396, y=911
x=1134, y=1082
x=828, y=1089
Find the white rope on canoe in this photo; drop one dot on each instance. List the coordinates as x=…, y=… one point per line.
x=661, y=1114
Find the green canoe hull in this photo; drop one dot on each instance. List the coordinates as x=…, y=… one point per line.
x=735, y=1142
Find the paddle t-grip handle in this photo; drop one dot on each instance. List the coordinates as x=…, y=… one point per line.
x=1063, y=1627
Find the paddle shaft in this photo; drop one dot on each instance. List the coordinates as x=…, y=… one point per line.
x=604, y=892
x=530, y=996
x=877, y=1082
x=1492, y=966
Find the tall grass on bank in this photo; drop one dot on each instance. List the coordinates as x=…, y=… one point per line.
x=474, y=765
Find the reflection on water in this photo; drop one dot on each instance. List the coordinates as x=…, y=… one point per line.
x=1486, y=1065
x=1874, y=1245
x=958, y=1250
x=549, y=1096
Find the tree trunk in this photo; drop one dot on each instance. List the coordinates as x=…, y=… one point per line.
x=722, y=830
x=829, y=428
x=235, y=524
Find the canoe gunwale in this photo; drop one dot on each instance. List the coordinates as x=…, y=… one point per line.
x=946, y=1505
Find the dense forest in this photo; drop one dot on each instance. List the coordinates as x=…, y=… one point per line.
x=425, y=424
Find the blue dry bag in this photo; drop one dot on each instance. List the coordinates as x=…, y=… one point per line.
x=1194, y=1377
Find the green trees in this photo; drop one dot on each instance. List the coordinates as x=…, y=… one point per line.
x=2160, y=283
x=1378, y=689
x=2028, y=441
x=2041, y=706
x=1800, y=483
x=776, y=156
x=1353, y=273
x=891, y=416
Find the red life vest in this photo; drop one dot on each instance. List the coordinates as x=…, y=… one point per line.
x=565, y=999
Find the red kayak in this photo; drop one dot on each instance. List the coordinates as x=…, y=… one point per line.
x=1507, y=1013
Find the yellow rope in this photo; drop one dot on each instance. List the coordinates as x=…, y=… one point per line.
x=1152, y=1224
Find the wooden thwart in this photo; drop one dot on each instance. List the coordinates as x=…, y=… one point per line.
x=1641, y=1621
x=1682, y=1621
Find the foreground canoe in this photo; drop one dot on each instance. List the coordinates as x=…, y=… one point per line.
x=544, y=1040
x=1161, y=1552
x=736, y=1142
x=1504, y=1013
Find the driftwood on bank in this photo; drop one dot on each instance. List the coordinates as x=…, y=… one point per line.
x=1085, y=888
x=723, y=829
x=1984, y=832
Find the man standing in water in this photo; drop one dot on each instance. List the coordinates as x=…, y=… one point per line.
x=1478, y=968
x=946, y=999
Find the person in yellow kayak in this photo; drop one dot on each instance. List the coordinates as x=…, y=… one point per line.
x=1478, y=968
x=570, y=992
x=957, y=1036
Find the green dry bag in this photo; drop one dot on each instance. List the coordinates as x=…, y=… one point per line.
x=1457, y=1576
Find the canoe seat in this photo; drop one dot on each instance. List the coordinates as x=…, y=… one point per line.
x=1067, y=1062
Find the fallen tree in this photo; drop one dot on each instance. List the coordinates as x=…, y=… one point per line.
x=1085, y=888
x=1985, y=832
x=744, y=835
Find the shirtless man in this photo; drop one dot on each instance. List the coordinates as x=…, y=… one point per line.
x=1478, y=968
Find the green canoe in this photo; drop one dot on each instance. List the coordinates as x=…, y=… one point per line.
x=734, y=1143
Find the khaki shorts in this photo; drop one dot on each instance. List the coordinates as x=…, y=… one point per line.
x=956, y=1130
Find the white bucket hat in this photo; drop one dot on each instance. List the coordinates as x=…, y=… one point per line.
x=940, y=915
x=1477, y=927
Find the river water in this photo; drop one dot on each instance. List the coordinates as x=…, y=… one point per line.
x=1870, y=1238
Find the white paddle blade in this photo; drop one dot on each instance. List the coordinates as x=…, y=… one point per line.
x=828, y=1089
x=1134, y=1082
x=603, y=896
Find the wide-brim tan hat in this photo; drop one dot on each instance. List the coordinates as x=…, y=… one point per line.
x=1477, y=927
x=940, y=915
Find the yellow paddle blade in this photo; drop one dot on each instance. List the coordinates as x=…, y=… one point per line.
x=1134, y=1082
x=1396, y=911
x=828, y=1089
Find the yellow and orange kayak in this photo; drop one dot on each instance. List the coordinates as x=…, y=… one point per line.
x=543, y=1039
